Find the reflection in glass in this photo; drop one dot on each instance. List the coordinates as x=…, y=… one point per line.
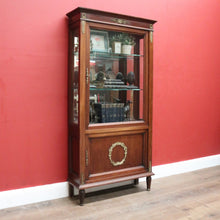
x=116, y=77
x=75, y=96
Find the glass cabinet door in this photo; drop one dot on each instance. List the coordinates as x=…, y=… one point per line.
x=116, y=77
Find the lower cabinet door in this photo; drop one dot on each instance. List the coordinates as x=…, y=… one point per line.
x=116, y=156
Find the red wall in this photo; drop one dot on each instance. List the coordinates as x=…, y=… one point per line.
x=33, y=84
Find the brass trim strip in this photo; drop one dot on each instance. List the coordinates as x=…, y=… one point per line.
x=119, y=21
x=150, y=166
x=151, y=36
x=82, y=178
x=84, y=15
x=83, y=25
x=87, y=159
x=115, y=24
x=87, y=75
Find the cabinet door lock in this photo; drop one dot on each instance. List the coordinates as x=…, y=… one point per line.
x=87, y=159
x=87, y=75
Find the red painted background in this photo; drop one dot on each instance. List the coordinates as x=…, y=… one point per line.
x=33, y=83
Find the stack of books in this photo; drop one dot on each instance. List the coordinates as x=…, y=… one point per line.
x=114, y=83
x=109, y=112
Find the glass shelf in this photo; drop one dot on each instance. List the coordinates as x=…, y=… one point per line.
x=105, y=55
x=115, y=89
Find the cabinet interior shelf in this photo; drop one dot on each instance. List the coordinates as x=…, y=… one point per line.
x=115, y=89
x=105, y=55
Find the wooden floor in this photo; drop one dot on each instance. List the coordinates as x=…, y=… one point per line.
x=194, y=195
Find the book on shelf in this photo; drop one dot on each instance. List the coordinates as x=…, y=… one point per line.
x=114, y=82
x=109, y=112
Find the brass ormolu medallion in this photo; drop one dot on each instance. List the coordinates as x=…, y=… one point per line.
x=117, y=163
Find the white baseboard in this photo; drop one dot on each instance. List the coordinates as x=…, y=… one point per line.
x=24, y=196
x=186, y=166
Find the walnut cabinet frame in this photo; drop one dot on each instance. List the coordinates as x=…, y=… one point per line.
x=110, y=99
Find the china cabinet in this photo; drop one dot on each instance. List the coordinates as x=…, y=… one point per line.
x=110, y=99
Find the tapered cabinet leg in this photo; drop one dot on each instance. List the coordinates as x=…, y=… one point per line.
x=136, y=181
x=81, y=197
x=71, y=190
x=148, y=181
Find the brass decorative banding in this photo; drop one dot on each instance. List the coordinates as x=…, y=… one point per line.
x=119, y=21
x=117, y=163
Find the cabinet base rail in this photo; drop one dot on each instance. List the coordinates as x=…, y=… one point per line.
x=82, y=188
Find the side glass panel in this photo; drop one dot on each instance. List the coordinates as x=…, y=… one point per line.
x=116, y=77
x=75, y=82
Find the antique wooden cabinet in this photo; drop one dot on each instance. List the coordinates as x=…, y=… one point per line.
x=110, y=98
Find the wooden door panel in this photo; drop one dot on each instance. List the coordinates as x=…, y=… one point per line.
x=115, y=153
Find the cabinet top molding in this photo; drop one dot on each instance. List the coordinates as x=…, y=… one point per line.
x=110, y=18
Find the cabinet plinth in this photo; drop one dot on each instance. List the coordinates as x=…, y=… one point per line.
x=110, y=78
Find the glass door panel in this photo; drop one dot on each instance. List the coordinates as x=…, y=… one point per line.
x=116, y=77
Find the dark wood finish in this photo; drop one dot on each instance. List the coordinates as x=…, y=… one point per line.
x=109, y=18
x=148, y=180
x=115, y=180
x=99, y=147
x=71, y=190
x=81, y=196
x=94, y=160
x=136, y=181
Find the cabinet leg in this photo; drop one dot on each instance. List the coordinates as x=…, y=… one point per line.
x=71, y=190
x=148, y=180
x=136, y=181
x=81, y=197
